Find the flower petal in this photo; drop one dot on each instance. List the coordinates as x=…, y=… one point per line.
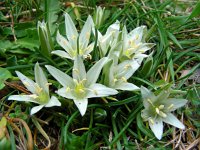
x=147, y=95
x=88, y=49
x=28, y=83
x=71, y=31
x=53, y=102
x=60, y=76
x=82, y=105
x=85, y=33
x=79, y=72
x=171, y=119
x=157, y=127
x=36, y=109
x=64, y=44
x=99, y=90
x=126, y=86
x=177, y=103
x=25, y=98
x=65, y=92
x=127, y=68
x=40, y=78
x=62, y=54
x=93, y=73
x=137, y=34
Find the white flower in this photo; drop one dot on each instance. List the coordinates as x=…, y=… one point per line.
x=158, y=110
x=133, y=43
x=75, y=44
x=116, y=75
x=39, y=90
x=109, y=39
x=83, y=85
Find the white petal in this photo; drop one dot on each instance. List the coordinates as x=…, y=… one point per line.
x=60, y=76
x=157, y=128
x=36, y=109
x=113, y=27
x=137, y=34
x=125, y=38
x=64, y=92
x=28, y=83
x=40, y=78
x=93, y=73
x=62, y=54
x=177, y=103
x=53, y=102
x=85, y=33
x=25, y=98
x=147, y=94
x=64, y=44
x=70, y=27
x=79, y=72
x=99, y=90
x=89, y=49
x=82, y=105
x=126, y=86
x=171, y=119
x=127, y=73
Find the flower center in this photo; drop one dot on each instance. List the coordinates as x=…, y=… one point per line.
x=159, y=111
x=80, y=89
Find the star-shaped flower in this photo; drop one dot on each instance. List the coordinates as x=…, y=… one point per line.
x=83, y=85
x=116, y=75
x=158, y=110
x=75, y=44
x=39, y=89
x=134, y=45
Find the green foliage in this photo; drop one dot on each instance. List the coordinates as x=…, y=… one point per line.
x=4, y=75
x=112, y=122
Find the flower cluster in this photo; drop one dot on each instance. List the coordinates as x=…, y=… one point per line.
x=120, y=55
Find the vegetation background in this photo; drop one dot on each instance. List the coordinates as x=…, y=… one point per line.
x=173, y=25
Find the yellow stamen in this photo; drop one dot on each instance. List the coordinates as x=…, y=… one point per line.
x=76, y=71
x=115, y=80
x=161, y=106
x=127, y=66
x=67, y=89
x=171, y=106
x=124, y=79
x=162, y=114
x=157, y=111
x=151, y=121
